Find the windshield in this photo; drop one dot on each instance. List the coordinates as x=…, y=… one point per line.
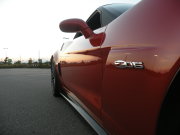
x=112, y=11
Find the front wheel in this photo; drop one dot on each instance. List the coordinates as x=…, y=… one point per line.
x=54, y=83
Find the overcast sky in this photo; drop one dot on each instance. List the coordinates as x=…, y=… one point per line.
x=28, y=27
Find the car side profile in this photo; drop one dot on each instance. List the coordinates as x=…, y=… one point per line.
x=121, y=71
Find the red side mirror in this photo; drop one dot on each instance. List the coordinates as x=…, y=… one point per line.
x=76, y=25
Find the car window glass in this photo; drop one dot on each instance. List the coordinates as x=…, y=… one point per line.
x=94, y=22
x=104, y=15
x=112, y=11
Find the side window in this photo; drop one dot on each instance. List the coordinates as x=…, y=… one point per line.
x=94, y=22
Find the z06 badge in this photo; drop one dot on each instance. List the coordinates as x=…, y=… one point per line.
x=124, y=64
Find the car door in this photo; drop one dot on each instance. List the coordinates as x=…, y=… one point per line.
x=83, y=60
x=81, y=69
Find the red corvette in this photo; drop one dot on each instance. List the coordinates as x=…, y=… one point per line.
x=122, y=69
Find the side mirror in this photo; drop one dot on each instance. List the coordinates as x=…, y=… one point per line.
x=76, y=25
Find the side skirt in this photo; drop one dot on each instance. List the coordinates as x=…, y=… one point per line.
x=85, y=115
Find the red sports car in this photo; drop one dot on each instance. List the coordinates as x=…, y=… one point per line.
x=122, y=69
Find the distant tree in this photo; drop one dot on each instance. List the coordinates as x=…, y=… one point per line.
x=30, y=61
x=9, y=61
x=6, y=60
x=17, y=62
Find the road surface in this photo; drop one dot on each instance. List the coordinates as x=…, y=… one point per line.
x=27, y=106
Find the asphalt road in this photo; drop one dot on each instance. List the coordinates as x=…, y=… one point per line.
x=27, y=106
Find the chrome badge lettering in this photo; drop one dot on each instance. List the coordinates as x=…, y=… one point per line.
x=124, y=64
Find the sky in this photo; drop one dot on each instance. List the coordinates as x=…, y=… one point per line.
x=30, y=28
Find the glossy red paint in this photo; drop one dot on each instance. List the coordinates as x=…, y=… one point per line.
x=126, y=101
x=146, y=35
x=76, y=25
x=81, y=72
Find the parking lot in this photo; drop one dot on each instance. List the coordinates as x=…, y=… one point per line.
x=27, y=106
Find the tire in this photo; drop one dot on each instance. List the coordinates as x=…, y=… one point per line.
x=169, y=121
x=54, y=83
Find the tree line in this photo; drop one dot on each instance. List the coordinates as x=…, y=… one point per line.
x=8, y=63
